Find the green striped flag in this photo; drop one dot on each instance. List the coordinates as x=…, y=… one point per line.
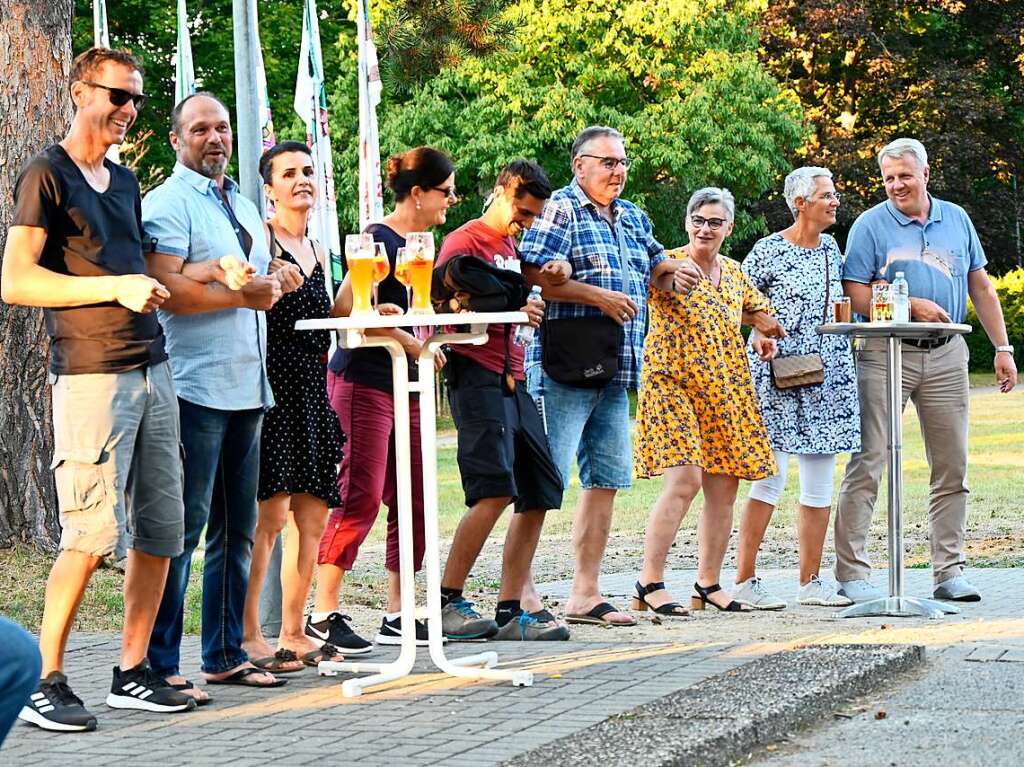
x=184, y=74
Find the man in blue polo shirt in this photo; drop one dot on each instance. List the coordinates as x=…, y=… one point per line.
x=217, y=343
x=934, y=244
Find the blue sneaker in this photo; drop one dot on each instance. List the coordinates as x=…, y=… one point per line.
x=460, y=621
x=527, y=627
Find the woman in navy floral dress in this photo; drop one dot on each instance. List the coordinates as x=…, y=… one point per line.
x=813, y=423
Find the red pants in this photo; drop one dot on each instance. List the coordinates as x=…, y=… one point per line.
x=367, y=474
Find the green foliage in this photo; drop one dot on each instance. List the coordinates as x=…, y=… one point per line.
x=148, y=29
x=950, y=73
x=680, y=79
x=1010, y=288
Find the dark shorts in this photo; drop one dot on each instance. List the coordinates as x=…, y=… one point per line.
x=503, y=450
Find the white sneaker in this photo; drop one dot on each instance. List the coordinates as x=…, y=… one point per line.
x=816, y=592
x=859, y=590
x=753, y=592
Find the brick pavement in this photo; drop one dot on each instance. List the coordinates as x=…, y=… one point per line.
x=431, y=719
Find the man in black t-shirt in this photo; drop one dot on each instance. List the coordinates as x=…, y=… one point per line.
x=75, y=249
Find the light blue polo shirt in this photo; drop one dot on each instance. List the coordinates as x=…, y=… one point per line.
x=935, y=257
x=219, y=358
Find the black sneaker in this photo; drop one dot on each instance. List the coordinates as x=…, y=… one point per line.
x=140, y=688
x=54, y=707
x=391, y=632
x=336, y=631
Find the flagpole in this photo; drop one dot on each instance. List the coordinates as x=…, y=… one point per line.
x=371, y=201
x=101, y=39
x=184, y=72
x=249, y=141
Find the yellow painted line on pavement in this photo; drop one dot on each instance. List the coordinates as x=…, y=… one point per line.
x=419, y=684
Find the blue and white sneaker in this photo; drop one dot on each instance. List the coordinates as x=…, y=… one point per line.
x=460, y=621
x=527, y=627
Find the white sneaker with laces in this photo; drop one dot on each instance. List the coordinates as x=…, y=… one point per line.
x=754, y=593
x=859, y=590
x=817, y=592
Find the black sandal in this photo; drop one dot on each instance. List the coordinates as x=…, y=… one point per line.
x=669, y=609
x=699, y=600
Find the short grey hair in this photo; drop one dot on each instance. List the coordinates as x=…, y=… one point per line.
x=712, y=195
x=904, y=146
x=800, y=183
x=587, y=135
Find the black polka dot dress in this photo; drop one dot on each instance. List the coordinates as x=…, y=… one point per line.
x=301, y=444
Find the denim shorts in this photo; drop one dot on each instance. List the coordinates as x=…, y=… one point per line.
x=590, y=425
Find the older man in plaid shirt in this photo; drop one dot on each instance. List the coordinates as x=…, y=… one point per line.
x=614, y=256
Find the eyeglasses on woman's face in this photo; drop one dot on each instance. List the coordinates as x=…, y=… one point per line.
x=447, y=191
x=714, y=224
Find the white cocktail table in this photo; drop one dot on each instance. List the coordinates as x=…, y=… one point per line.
x=896, y=604
x=352, y=335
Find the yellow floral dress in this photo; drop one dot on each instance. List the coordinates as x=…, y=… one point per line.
x=697, y=405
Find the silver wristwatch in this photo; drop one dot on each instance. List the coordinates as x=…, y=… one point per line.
x=1008, y=349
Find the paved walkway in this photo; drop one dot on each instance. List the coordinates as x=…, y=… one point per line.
x=431, y=719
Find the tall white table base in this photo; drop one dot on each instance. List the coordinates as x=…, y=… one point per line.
x=478, y=666
x=896, y=604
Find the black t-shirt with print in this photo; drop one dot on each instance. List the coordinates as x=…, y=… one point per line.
x=89, y=234
x=372, y=367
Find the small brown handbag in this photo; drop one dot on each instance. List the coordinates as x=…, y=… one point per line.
x=799, y=370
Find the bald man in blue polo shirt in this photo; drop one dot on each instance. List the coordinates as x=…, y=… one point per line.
x=935, y=245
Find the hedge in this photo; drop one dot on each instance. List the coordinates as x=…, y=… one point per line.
x=1011, y=295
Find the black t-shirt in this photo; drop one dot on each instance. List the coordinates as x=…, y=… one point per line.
x=89, y=234
x=372, y=367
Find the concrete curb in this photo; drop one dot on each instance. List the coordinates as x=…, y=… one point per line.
x=725, y=718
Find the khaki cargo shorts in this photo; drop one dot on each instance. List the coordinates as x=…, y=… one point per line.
x=117, y=462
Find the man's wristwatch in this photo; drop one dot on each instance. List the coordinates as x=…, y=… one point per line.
x=1008, y=349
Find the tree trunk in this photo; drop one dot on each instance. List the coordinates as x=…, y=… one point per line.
x=35, y=109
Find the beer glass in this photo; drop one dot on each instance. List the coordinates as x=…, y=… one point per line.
x=402, y=274
x=419, y=248
x=841, y=310
x=359, y=253
x=381, y=269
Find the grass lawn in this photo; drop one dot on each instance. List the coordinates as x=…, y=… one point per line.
x=995, y=533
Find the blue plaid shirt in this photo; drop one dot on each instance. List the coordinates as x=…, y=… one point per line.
x=571, y=229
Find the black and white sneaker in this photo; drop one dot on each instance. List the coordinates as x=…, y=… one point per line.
x=336, y=631
x=54, y=707
x=142, y=689
x=391, y=632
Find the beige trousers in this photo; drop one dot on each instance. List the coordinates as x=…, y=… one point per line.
x=936, y=381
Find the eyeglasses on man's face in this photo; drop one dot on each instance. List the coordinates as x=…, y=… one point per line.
x=610, y=163
x=829, y=196
x=713, y=223
x=119, y=96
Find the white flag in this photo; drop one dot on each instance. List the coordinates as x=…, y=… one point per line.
x=100, y=35
x=311, y=105
x=371, y=198
x=184, y=73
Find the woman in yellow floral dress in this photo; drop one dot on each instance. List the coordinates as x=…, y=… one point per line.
x=698, y=422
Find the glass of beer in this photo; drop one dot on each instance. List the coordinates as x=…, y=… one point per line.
x=381, y=269
x=881, y=303
x=841, y=310
x=402, y=274
x=419, y=247
x=359, y=254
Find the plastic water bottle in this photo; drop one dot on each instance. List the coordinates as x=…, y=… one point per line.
x=524, y=333
x=900, y=299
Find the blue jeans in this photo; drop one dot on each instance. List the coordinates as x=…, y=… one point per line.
x=222, y=462
x=19, y=673
x=590, y=425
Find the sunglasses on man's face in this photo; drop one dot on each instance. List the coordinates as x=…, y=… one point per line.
x=119, y=97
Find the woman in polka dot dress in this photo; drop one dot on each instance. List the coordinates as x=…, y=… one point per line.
x=301, y=442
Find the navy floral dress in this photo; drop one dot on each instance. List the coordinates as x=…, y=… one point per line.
x=815, y=420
